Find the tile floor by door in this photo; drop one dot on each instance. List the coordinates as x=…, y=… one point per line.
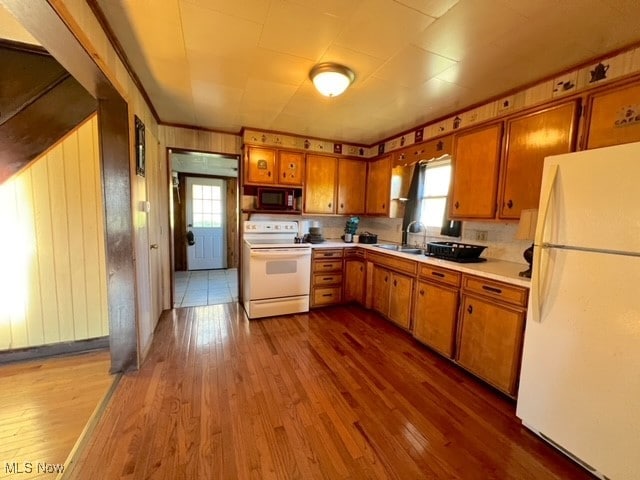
x=205, y=287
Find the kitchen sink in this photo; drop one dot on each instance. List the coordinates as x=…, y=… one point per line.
x=401, y=248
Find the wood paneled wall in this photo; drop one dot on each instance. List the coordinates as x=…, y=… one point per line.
x=200, y=140
x=52, y=252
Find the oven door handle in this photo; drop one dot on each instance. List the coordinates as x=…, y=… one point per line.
x=272, y=253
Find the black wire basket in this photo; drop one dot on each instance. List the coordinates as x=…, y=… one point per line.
x=454, y=250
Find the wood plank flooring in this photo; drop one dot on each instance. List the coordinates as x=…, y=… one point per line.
x=336, y=393
x=44, y=406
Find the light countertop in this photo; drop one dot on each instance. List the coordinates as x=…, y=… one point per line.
x=493, y=269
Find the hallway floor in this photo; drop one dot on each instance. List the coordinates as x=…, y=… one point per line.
x=46, y=404
x=205, y=287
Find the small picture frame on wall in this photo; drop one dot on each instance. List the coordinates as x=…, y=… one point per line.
x=140, y=147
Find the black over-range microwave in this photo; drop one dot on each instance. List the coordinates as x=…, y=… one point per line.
x=275, y=199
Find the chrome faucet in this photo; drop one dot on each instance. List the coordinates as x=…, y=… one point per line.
x=422, y=227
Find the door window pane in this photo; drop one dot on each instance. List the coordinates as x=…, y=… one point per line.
x=207, y=206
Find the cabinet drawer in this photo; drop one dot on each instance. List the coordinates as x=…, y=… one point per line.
x=327, y=265
x=393, y=262
x=491, y=288
x=440, y=275
x=326, y=295
x=327, y=253
x=327, y=279
x=354, y=252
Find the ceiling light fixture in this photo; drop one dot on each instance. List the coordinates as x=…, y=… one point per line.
x=331, y=79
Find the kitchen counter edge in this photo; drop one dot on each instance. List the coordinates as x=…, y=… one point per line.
x=493, y=269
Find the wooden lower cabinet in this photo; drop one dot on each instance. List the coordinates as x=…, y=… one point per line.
x=436, y=312
x=380, y=290
x=392, y=295
x=326, y=281
x=354, y=279
x=401, y=293
x=490, y=340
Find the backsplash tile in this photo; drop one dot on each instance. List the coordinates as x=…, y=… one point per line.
x=500, y=243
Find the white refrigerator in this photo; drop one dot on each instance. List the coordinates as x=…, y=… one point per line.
x=580, y=378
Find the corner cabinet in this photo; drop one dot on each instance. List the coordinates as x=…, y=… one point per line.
x=491, y=331
x=268, y=166
x=354, y=275
x=528, y=140
x=334, y=185
x=391, y=287
x=379, y=186
x=476, y=161
x=352, y=178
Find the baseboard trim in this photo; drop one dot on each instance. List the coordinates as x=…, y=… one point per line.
x=54, y=349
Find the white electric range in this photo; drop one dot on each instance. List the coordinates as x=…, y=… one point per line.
x=275, y=269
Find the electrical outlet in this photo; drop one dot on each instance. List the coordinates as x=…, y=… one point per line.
x=482, y=235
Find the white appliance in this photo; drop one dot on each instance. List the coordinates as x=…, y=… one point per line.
x=275, y=269
x=580, y=379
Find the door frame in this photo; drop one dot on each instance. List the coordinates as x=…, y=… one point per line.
x=236, y=223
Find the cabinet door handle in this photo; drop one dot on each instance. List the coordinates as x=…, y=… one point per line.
x=395, y=283
x=342, y=205
x=491, y=289
x=268, y=174
x=284, y=175
x=327, y=294
x=360, y=267
x=510, y=204
x=383, y=205
x=327, y=278
x=328, y=265
x=385, y=279
x=437, y=274
x=421, y=292
x=457, y=204
x=329, y=205
x=470, y=309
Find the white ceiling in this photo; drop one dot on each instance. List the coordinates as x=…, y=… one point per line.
x=225, y=64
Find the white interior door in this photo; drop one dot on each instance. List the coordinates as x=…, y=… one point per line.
x=206, y=220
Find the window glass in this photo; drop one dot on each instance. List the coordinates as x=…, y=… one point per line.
x=207, y=206
x=436, y=188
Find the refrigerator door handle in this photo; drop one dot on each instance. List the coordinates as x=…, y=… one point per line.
x=537, y=280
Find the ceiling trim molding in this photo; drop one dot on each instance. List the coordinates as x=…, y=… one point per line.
x=515, y=90
x=24, y=47
x=117, y=46
x=202, y=129
x=297, y=135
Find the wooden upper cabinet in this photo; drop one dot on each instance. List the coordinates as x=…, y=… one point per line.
x=614, y=117
x=290, y=168
x=379, y=186
x=268, y=166
x=260, y=165
x=476, y=161
x=529, y=139
x=352, y=178
x=320, y=184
